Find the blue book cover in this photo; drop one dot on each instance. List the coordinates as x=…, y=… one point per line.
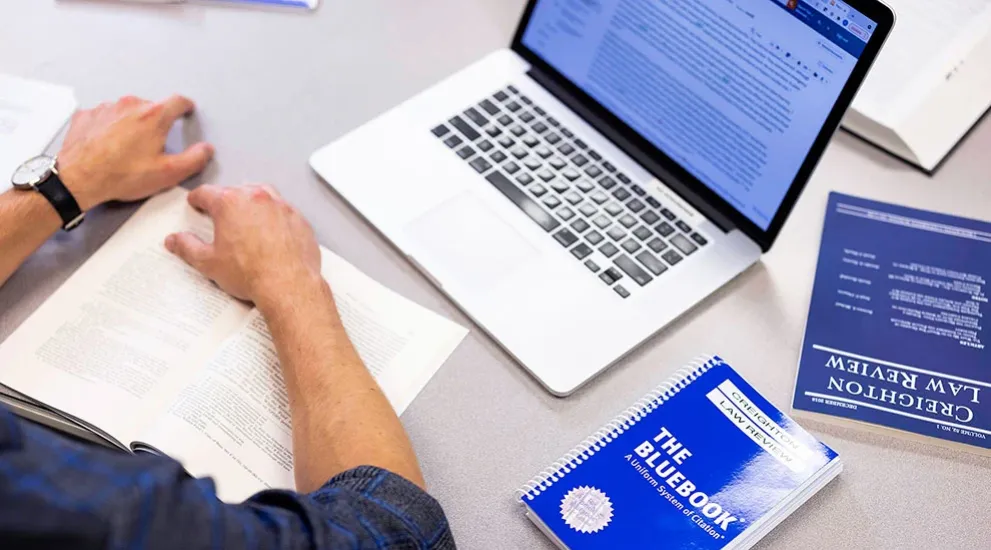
x=895, y=333
x=703, y=462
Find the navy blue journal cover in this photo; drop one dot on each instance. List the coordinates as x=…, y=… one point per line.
x=692, y=465
x=895, y=334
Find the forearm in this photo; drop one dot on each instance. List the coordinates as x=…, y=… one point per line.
x=27, y=220
x=341, y=419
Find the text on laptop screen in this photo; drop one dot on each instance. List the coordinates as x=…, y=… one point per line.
x=736, y=91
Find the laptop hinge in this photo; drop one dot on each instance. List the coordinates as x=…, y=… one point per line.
x=634, y=152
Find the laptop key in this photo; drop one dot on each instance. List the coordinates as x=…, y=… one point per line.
x=551, y=201
x=594, y=237
x=527, y=116
x=655, y=266
x=610, y=276
x=560, y=186
x=526, y=99
x=493, y=131
x=565, y=213
x=513, y=106
x=602, y=222
x=608, y=167
x=524, y=179
x=638, y=190
x=571, y=174
x=633, y=270
x=558, y=163
x=566, y=238
x=489, y=107
x=635, y=206
x=540, y=127
x=624, y=178
x=627, y=221
x=614, y=209
x=699, y=239
x=485, y=145
x=553, y=122
x=631, y=246
x=478, y=118
x=517, y=131
x=506, y=142
x=465, y=128
x=533, y=163
x=453, y=141
x=653, y=202
x=592, y=266
x=466, y=152
x=510, y=167
x=519, y=152
x=530, y=141
x=621, y=194
x=599, y=197
x=566, y=148
x=580, y=225
x=572, y=197
x=668, y=214
x=581, y=251
x=505, y=120
x=684, y=226
x=588, y=211
x=546, y=175
x=585, y=186
x=513, y=89
x=623, y=293
x=538, y=190
x=499, y=156
x=607, y=183
x=682, y=243
x=525, y=203
x=441, y=131
x=594, y=155
x=671, y=257
x=594, y=171
x=642, y=233
x=480, y=165
x=664, y=229
x=581, y=144
x=580, y=160
x=501, y=96
x=543, y=152
x=657, y=245
x=553, y=138
x=650, y=217
x=609, y=250
x=539, y=111
x=616, y=233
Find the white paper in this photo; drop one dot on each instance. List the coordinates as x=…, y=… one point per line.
x=31, y=115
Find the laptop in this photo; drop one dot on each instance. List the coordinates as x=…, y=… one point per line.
x=624, y=159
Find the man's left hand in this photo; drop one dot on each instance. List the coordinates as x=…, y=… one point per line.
x=116, y=151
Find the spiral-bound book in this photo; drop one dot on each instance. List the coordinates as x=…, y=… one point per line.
x=703, y=461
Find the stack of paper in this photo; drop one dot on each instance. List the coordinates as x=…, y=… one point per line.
x=31, y=115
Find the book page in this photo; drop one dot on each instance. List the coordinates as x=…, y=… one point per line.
x=929, y=41
x=127, y=330
x=233, y=422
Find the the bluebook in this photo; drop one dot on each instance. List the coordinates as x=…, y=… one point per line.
x=895, y=334
x=702, y=462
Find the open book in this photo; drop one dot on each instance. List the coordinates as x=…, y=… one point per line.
x=143, y=351
x=931, y=83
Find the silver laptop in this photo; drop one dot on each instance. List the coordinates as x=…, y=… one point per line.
x=624, y=159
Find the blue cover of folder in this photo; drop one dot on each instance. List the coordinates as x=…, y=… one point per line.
x=702, y=462
x=895, y=335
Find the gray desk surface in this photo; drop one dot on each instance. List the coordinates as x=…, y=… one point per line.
x=273, y=87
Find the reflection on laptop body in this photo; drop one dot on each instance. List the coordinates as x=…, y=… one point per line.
x=623, y=160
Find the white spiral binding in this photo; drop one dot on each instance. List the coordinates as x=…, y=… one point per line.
x=624, y=421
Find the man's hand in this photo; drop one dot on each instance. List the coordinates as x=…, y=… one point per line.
x=116, y=151
x=262, y=247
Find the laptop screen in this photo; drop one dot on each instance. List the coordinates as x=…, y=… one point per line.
x=735, y=91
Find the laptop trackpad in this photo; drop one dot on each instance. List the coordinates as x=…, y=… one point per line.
x=468, y=241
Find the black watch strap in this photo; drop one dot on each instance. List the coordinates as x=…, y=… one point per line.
x=65, y=204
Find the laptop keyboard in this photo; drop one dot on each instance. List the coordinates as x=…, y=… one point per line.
x=582, y=200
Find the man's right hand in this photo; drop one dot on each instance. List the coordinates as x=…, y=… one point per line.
x=262, y=247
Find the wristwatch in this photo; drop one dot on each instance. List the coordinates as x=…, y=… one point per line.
x=41, y=174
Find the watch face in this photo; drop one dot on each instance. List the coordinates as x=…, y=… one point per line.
x=33, y=172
